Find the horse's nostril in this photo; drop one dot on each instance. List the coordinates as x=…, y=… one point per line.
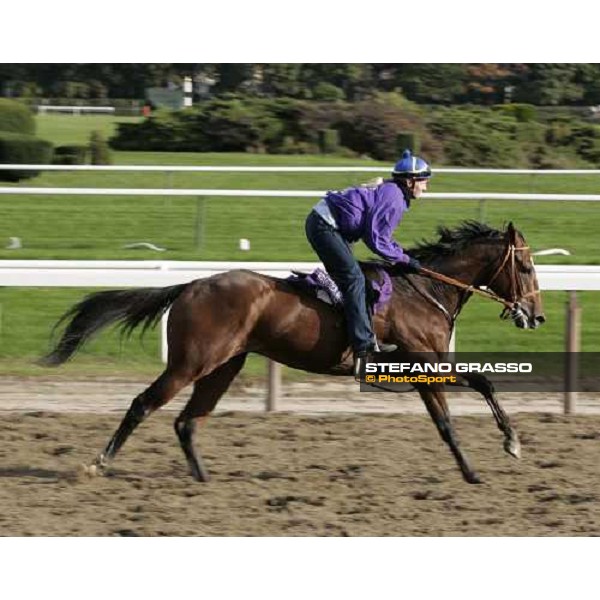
x=540, y=319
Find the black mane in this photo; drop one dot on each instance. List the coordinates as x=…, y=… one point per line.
x=450, y=242
x=455, y=240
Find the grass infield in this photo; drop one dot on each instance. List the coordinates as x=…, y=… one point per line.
x=78, y=228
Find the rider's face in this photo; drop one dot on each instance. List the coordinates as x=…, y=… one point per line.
x=419, y=186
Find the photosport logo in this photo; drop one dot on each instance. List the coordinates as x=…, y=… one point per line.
x=508, y=372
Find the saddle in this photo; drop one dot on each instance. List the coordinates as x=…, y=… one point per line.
x=320, y=285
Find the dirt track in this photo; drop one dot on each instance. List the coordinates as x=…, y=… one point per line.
x=287, y=474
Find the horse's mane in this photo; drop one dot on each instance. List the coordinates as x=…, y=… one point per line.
x=455, y=240
x=450, y=242
x=431, y=254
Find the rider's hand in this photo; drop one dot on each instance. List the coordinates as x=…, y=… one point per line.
x=413, y=266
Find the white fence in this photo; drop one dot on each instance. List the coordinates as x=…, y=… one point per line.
x=77, y=110
x=123, y=273
x=57, y=273
x=39, y=191
x=288, y=169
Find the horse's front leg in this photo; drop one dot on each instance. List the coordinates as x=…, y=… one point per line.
x=436, y=405
x=484, y=386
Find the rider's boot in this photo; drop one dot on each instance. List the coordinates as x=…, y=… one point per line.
x=362, y=357
x=383, y=347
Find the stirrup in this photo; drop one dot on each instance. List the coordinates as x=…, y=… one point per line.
x=360, y=364
x=381, y=347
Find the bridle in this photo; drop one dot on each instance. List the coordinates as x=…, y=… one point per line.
x=516, y=289
x=511, y=307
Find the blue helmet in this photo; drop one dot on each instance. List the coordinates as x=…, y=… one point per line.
x=411, y=167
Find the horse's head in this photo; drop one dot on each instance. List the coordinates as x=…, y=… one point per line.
x=513, y=278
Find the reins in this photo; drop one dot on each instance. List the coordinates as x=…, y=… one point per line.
x=488, y=293
x=464, y=286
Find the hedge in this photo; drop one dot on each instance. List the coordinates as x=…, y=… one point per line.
x=70, y=155
x=379, y=126
x=16, y=117
x=17, y=148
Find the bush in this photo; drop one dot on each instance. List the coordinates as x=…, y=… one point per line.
x=222, y=125
x=327, y=92
x=407, y=141
x=372, y=126
x=99, y=150
x=476, y=137
x=70, y=155
x=524, y=113
x=17, y=148
x=585, y=139
x=237, y=126
x=16, y=117
x=380, y=126
x=329, y=141
x=283, y=125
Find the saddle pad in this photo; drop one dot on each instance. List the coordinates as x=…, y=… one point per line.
x=322, y=286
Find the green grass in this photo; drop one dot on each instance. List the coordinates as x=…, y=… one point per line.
x=72, y=227
x=89, y=227
x=64, y=129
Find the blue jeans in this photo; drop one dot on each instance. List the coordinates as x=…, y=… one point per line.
x=336, y=255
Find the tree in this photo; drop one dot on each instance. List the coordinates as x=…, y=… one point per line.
x=550, y=84
x=231, y=77
x=426, y=83
x=487, y=83
x=282, y=79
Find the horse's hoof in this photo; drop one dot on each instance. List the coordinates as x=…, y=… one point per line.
x=98, y=467
x=89, y=470
x=473, y=478
x=201, y=477
x=512, y=446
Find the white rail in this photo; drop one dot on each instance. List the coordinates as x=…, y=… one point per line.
x=44, y=108
x=59, y=273
x=289, y=169
x=91, y=273
x=40, y=191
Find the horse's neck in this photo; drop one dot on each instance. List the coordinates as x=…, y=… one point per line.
x=469, y=268
x=464, y=268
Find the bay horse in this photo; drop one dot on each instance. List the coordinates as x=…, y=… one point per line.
x=215, y=322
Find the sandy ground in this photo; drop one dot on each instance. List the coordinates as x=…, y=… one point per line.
x=379, y=472
x=321, y=395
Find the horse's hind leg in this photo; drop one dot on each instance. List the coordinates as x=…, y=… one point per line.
x=437, y=408
x=484, y=386
x=207, y=392
x=156, y=395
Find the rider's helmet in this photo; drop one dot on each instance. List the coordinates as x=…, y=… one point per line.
x=411, y=167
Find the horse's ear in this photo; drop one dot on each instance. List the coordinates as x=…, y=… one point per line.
x=511, y=233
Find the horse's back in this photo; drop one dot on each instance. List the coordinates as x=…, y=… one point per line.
x=235, y=280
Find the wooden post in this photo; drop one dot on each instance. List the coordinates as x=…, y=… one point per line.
x=199, y=223
x=274, y=385
x=572, y=352
x=482, y=211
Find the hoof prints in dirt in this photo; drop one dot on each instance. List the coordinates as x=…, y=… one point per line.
x=280, y=503
x=363, y=475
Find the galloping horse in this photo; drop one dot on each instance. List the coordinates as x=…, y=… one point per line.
x=215, y=322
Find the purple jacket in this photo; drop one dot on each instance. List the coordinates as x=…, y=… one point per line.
x=370, y=214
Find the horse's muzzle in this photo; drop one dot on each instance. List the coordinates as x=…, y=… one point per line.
x=524, y=319
x=537, y=321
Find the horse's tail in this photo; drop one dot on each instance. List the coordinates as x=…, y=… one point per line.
x=129, y=308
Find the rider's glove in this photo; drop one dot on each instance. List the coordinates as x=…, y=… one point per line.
x=412, y=266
